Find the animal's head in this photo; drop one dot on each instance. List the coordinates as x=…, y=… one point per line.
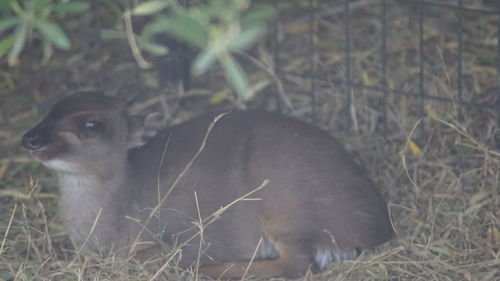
x=86, y=128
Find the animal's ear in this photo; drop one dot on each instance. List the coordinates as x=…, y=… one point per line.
x=141, y=130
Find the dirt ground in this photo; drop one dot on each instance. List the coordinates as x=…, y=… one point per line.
x=438, y=163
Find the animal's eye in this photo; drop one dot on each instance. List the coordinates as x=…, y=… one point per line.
x=91, y=125
x=91, y=128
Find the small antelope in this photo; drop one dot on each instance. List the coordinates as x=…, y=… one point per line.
x=128, y=188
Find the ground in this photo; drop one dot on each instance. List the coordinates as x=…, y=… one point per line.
x=436, y=162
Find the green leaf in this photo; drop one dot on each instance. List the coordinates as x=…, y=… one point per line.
x=53, y=33
x=19, y=40
x=73, y=7
x=246, y=38
x=14, y=6
x=111, y=34
x=7, y=23
x=154, y=27
x=153, y=48
x=5, y=45
x=219, y=4
x=236, y=76
x=186, y=29
x=43, y=13
x=216, y=9
x=203, y=61
x=150, y=7
x=38, y=5
x=5, y=5
x=258, y=13
x=112, y=6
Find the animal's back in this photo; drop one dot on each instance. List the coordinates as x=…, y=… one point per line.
x=317, y=196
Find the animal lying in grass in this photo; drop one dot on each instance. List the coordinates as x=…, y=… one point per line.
x=294, y=199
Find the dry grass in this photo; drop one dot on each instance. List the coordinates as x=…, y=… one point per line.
x=440, y=173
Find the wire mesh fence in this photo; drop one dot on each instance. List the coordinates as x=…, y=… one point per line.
x=421, y=41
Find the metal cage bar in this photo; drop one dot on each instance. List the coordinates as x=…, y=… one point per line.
x=312, y=59
x=421, y=60
x=460, y=30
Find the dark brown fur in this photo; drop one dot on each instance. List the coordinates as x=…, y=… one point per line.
x=319, y=204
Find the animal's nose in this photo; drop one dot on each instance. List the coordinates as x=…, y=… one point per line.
x=33, y=141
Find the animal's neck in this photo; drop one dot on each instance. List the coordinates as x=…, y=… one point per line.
x=80, y=189
x=98, y=183
x=94, y=196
